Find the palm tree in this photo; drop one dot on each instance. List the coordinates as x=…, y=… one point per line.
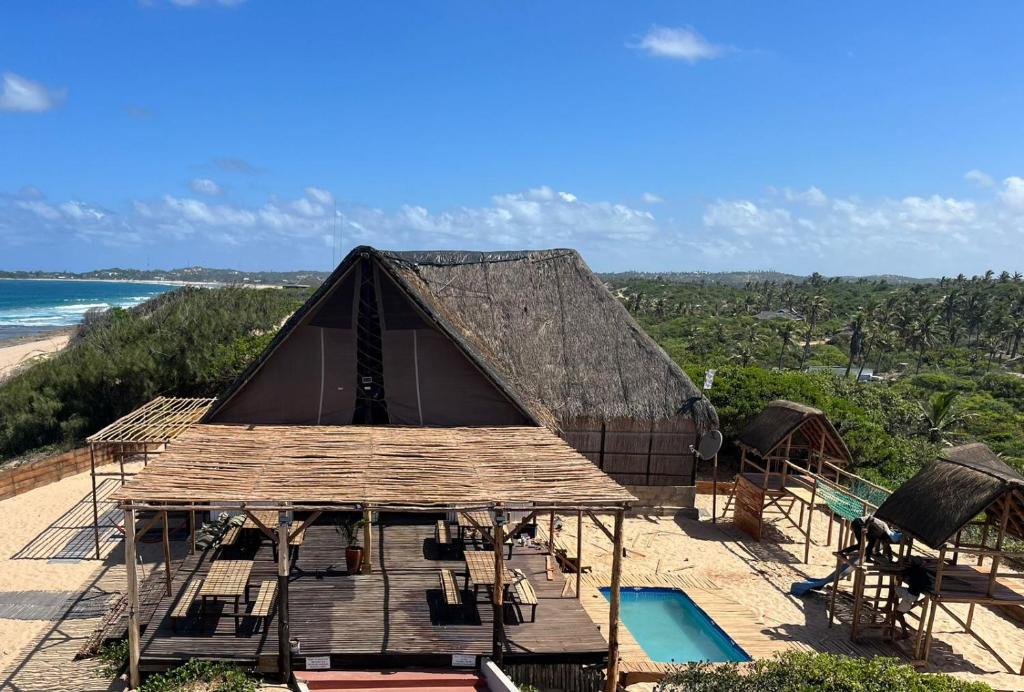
x=943, y=415
x=856, y=339
x=786, y=337
x=817, y=307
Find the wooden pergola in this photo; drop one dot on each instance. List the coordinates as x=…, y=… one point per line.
x=372, y=469
x=149, y=428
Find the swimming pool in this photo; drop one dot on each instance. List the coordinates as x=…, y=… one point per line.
x=671, y=628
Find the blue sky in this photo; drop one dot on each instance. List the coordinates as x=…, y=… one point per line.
x=869, y=138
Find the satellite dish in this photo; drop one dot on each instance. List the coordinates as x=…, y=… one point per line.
x=710, y=443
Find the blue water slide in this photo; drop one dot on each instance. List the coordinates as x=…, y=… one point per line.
x=800, y=588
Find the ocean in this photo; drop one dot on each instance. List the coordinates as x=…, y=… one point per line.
x=29, y=307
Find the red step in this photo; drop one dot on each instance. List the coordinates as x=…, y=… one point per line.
x=374, y=681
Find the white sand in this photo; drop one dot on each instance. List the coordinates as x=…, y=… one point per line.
x=14, y=357
x=758, y=576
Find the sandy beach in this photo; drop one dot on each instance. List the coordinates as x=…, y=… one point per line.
x=17, y=353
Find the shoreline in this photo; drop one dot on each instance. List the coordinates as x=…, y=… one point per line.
x=152, y=282
x=46, y=334
x=18, y=352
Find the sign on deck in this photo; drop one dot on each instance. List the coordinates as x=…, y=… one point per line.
x=318, y=662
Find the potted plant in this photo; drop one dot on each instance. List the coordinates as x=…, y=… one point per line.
x=349, y=529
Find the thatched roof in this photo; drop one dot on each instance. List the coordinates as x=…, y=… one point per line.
x=779, y=419
x=382, y=466
x=542, y=327
x=951, y=491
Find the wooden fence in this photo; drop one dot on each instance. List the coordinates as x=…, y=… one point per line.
x=568, y=677
x=35, y=474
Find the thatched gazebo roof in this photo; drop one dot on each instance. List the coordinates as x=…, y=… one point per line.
x=951, y=491
x=384, y=467
x=780, y=419
x=541, y=326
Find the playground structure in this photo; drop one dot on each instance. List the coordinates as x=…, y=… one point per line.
x=961, y=518
x=791, y=464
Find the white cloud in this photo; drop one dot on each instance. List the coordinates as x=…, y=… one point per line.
x=319, y=195
x=744, y=217
x=679, y=43
x=22, y=95
x=204, y=186
x=979, y=178
x=651, y=198
x=1012, y=193
x=812, y=196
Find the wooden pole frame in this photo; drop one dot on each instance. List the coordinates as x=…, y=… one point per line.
x=498, y=595
x=367, y=541
x=283, y=626
x=134, y=652
x=613, y=611
x=95, y=501
x=579, y=551
x=166, y=539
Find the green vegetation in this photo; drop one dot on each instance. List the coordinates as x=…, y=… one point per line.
x=201, y=676
x=949, y=355
x=189, y=342
x=113, y=657
x=798, y=671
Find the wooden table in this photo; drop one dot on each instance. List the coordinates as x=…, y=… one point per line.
x=480, y=571
x=267, y=517
x=227, y=579
x=483, y=519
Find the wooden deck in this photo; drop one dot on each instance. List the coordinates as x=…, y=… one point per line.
x=394, y=616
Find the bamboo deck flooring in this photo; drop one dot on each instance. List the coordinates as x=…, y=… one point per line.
x=392, y=616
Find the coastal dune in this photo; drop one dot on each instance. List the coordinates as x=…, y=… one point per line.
x=17, y=355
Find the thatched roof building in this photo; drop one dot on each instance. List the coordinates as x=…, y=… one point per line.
x=952, y=490
x=473, y=338
x=784, y=424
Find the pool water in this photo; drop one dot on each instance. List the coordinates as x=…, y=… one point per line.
x=671, y=628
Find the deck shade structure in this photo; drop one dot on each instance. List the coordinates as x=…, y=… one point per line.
x=962, y=484
x=369, y=468
x=149, y=428
x=473, y=338
x=789, y=453
x=962, y=507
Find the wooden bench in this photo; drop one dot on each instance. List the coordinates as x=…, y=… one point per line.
x=442, y=532
x=265, y=600
x=231, y=535
x=181, y=608
x=523, y=594
x=450, y=588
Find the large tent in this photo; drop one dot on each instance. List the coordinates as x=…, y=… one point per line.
x=471, y=338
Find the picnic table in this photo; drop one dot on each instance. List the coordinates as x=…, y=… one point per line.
x=469, y=521
x=480, y=571
x=227, y=579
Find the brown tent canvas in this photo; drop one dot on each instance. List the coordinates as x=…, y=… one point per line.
x=471, y=338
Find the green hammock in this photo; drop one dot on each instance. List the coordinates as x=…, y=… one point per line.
x=844, y=504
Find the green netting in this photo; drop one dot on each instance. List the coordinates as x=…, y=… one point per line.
x=843, y=504
x=869, y=493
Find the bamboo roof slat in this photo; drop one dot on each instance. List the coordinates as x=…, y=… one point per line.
x=159, y=421
x=381, y=466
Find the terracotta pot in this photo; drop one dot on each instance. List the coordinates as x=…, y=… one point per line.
x=353, y=559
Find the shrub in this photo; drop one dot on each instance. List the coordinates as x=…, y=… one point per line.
x=799, y=671
x=204, y=676
x=113, y=656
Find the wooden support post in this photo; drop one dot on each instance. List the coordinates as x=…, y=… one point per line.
x=498, y=596
x=283, y=628
x=970, y=617
x=95, y=509
x=192, y=531
x=810, y=519
x=997, y=557
x=613, y=611
x=167, y=549
x=579, y=550
x=133, y=600
x=714, y=490
x=367, y=541
x=551, y=534
x=120, y=460
x=984, y=542
x=937, y=601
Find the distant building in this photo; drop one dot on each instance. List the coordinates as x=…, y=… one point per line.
x=780, y=314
